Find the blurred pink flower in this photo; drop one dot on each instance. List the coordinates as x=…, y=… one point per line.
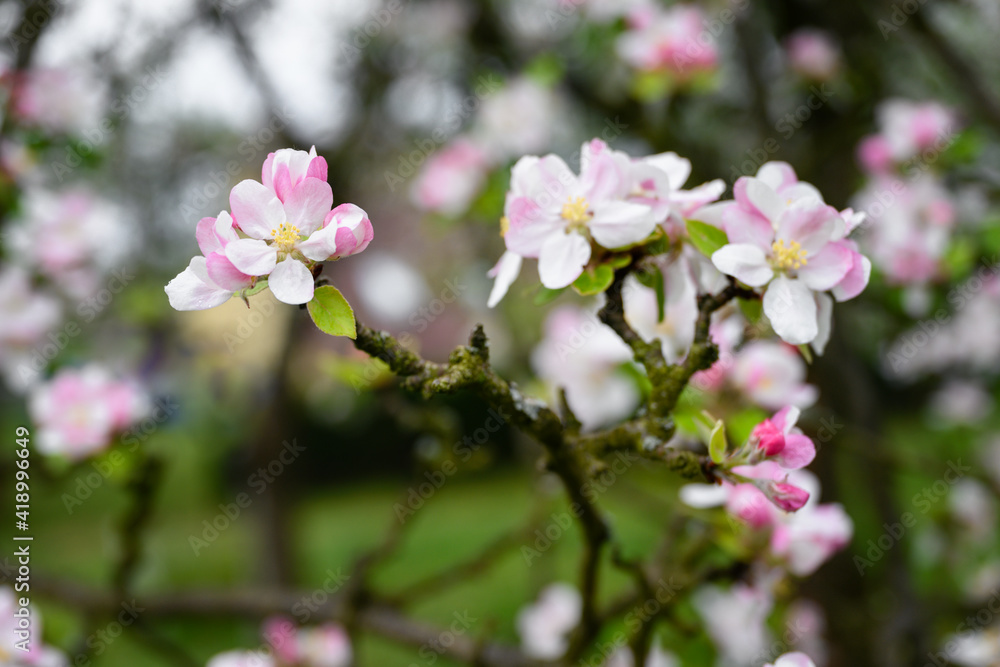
x=37, y=655
x=241, y=659
x=450, y=179
x=792, y=660
x=736, y=620
x=584, y=356
x=772, y=374
x=79, y=411
x=814, y=54
x=27, y=314
x=673, y=40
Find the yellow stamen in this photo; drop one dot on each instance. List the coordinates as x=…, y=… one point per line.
x=790, y=256
x=576, y=212
x=286, y=236
x=504, y=226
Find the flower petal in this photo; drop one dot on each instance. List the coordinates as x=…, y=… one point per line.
x=826, y=268
x=308, y=204
x=799, y=452
x=763, y=198
x=208, y=242
x=562, y=258
x=618, y=223
x=222, y=272
x=824, y=319
x=791, y=308
x=291, y=282
x=856, y=279
x=255, y=208
x=251, y=256
x=189, y=292
x=745, y=262
x=504, y=274
x=702, y=496
x=677, y=168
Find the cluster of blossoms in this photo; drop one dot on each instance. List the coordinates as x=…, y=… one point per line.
x=735, y=619
x=280, y=230
x=22, y=647
x=914, y=212
x=517, y=119
x=289, y=646
x=672, y=40
x=78, y=412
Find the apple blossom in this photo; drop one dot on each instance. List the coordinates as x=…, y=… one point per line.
x=813, y=54
x=241, y=659
x=79, y=411
x=553, y=215
x=771, y=375
x=519, y=119
x=72, y=237
x=782, y=236
x=583, y=356
x=656, y=657
x=283, y=227
x=680, y=311
x=670, y=40
x=27, y=314
x=906, y=129
x=657, y=181
x=736, y=620
x=450, y=179
x=793, y=660
x=806, y=622
x=544, y=626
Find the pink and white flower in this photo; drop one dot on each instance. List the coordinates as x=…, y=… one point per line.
x=906, y=129
x=26, y=316
x=79, y=411
x=584, y=357
x=783, y=236
x=657, y=181
x=553, y=215
x=673, y=40
x=813, y=54
x=545, y=626
x=450, y=179
x=283, y=227
x=771, y=375
x=736, y=620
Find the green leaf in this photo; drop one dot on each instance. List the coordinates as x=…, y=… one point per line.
x=545, y=295
x=619, y=261
x=594, y=281
x=717, y=444
x=752, y=309
x=705, y=237
x=331, y=312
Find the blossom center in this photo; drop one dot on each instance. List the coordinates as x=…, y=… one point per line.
x=576, y=212
x=286, y=236
x=790, y=256
x=504, y=226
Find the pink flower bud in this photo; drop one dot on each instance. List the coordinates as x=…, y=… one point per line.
x=787, y=496
x=769, y=438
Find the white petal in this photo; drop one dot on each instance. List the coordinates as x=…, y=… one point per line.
x=256, y=209
x=189, y=292
x=504, y=273
x=702, y=496
x=765, y=199
x=252, y=257
x=291, y=282
x=791, y=308
x=677, y=169
x=562, y=258
x=745, y=262
x=824, y=319
x=617, y=223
